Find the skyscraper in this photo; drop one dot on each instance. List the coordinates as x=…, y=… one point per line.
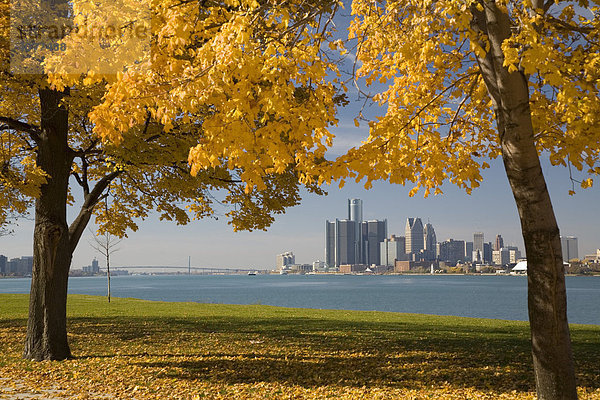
x=430, y=242
x=392, y=249
x=373, y=233
x=478, y=242
x=330, y=244
x=341, y=246
x=414, y=235
x=487, y=252
x=499, y=243
x=468, y=251
x=355, y=210
x=569, y=248
x=355, y=214
x=452, y=251
x=352, y=241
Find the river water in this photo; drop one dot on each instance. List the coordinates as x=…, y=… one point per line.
x=499, y=297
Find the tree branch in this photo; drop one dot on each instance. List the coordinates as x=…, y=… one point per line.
x=78, y=226
x=17, y=125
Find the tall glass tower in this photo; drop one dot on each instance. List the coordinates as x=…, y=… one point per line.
x=355, y=214
x=414, y=236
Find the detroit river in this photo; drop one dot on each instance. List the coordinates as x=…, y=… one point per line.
x=499, y=297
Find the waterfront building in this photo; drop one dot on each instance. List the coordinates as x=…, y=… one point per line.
x=355, y=210
x=429, y=242
x=343, y=238
x=469, y=251
x=405, y=266
x=414, y=235
x=285, y=259
x=374, y=232
x=330, y=244
x=354, y=241
x=520, y=268
x=93, y=269
x=487, y=252
x=478, y=242
x=19, y=266
x=514, y=254
x=95, y=266
x=452, y=251
x=501, y=257
x=477, y=256
x=593, y=258
x=318, y=265
x=355, y=214
x=352, y=268
x=341, y=246
x=570, y=249
x=499, y=243
x=300, y=268
x=392, y=249
x=3, y=261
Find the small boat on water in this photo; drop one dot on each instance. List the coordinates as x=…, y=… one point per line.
x=252, y=272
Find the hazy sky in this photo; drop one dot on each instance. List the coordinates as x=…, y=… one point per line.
x=490, y=209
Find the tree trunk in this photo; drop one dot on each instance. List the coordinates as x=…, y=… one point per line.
x=547, y=299
x=546, y=295
x=47, y=325
x=108, y=273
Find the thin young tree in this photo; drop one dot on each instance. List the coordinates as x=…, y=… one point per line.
x=106, y=244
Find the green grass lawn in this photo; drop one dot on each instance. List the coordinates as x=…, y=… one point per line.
x=154, y=350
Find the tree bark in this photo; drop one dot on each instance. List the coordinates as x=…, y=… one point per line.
x=47, y=325
x=546, y=290
x=547, y=300
x=108, y=275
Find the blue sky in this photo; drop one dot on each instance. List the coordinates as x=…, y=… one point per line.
x=490, y=209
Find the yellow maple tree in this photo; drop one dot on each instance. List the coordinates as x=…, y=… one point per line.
x=463, y=82
x=115, y=94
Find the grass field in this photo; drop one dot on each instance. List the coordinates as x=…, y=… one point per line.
x=134, y=349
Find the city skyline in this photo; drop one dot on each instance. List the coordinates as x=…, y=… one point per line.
x=490, y=209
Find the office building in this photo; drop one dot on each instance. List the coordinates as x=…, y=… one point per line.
x=487, y=252
x=19, y=266
x=392, y=249
x=477, y=256
x=3, y=261
x=499, y=243
x=355, y=210
x=373, y=233
x=570, y=248
x=354, y=241
x=414, y=235
x=514, y=254
x=285, y=259
x=501, y=257
x=478, y=242
x=429, y=242
x=341, y=247
x=93, y=269
x=319, y=265
x=355, y=214
x=469, y=251
x=452, y=251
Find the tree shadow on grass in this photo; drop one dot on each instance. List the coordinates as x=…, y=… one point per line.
x=313, y=352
